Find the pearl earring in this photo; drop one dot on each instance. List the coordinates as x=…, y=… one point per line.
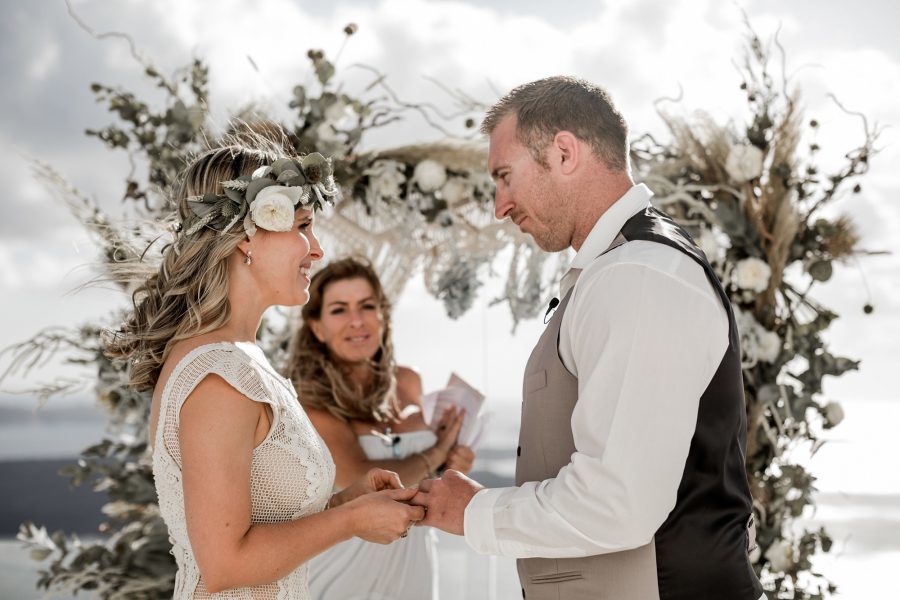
x=247, y=259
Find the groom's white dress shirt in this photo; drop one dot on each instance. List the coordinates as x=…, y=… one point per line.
x=644, y=333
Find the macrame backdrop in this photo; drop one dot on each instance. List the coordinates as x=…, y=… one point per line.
x=749, y=192
x=428, y=210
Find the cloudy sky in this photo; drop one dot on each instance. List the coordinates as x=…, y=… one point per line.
x=639, y=49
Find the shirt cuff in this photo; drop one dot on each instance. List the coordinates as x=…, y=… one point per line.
x=478, y=521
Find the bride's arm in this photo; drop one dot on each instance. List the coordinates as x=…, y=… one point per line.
x=217, y=434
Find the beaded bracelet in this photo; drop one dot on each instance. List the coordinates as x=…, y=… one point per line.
x=429, y=471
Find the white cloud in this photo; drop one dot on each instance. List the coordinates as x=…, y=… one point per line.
x=43, y=62
x=639, y=50
x=57, y=265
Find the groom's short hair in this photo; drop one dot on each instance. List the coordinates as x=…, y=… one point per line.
x=547, y=106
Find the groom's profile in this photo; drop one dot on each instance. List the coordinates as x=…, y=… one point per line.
x=630, y=477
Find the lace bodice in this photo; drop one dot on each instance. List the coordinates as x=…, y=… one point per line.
x=291, y=473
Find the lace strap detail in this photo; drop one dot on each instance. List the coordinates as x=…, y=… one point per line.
x=224, y=359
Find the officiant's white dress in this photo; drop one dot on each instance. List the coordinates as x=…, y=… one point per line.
x=291, y=474
x=403, y=570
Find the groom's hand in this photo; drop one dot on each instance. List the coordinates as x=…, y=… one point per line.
x=445, y=500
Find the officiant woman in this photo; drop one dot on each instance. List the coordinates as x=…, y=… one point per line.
x=368, y=411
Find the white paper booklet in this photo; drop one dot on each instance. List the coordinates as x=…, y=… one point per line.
x=462, y=395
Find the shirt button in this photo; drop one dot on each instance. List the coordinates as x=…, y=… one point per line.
x=519, y=453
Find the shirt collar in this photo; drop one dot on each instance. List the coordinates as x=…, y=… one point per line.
x=605, y=230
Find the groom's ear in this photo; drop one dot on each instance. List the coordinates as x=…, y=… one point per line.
x=566, y=151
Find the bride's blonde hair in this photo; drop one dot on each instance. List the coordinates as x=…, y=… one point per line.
x=187, y=295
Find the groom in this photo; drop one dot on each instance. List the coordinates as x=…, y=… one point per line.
x=630, y=471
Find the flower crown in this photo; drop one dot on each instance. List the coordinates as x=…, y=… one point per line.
x=266, y=199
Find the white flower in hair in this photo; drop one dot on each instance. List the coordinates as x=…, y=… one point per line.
x=744, y=163
x=273, y=207
x=429, y=175
x=752, y=274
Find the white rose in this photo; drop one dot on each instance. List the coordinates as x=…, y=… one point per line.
x=834, y=413
x=744, y=163
x=456, y=190
x=768, y=345
x=752, y=274
x=273, y=207
x=429, y=175
x=385, y=178
x=780, y=556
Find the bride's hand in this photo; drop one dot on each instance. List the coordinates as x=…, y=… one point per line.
x=383, y=517
x=374, y=480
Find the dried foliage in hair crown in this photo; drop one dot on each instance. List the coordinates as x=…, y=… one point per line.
x=266, y=199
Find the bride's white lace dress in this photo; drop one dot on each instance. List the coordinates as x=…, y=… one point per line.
x=291, y=474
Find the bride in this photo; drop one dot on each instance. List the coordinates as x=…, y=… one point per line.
x=243, y=479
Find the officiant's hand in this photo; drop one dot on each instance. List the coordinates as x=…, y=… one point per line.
x=448, y=428
x=445, y=500
x=461, y=458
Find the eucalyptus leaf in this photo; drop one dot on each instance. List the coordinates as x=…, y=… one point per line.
x=297, y=181
x=234, y=195
x=39, y=554
x=820, y=270
x=287, y=175
x=255, y=186
x=324, y=71
x=281, y=165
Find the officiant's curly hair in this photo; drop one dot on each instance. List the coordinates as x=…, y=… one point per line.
x=547, y=106
x=322, y=381
x=186, y=293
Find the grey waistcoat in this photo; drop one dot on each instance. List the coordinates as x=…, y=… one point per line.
x=700, y=551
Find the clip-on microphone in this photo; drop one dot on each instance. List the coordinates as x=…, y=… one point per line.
x=554, y=302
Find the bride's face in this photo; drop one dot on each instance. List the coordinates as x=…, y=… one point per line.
x=352, y=323
x=281, y=260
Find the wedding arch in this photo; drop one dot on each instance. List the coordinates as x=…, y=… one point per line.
x=749, y=192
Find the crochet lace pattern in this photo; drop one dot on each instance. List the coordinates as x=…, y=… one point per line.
x=291, y=474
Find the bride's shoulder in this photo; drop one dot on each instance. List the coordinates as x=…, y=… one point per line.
x=193, y=346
